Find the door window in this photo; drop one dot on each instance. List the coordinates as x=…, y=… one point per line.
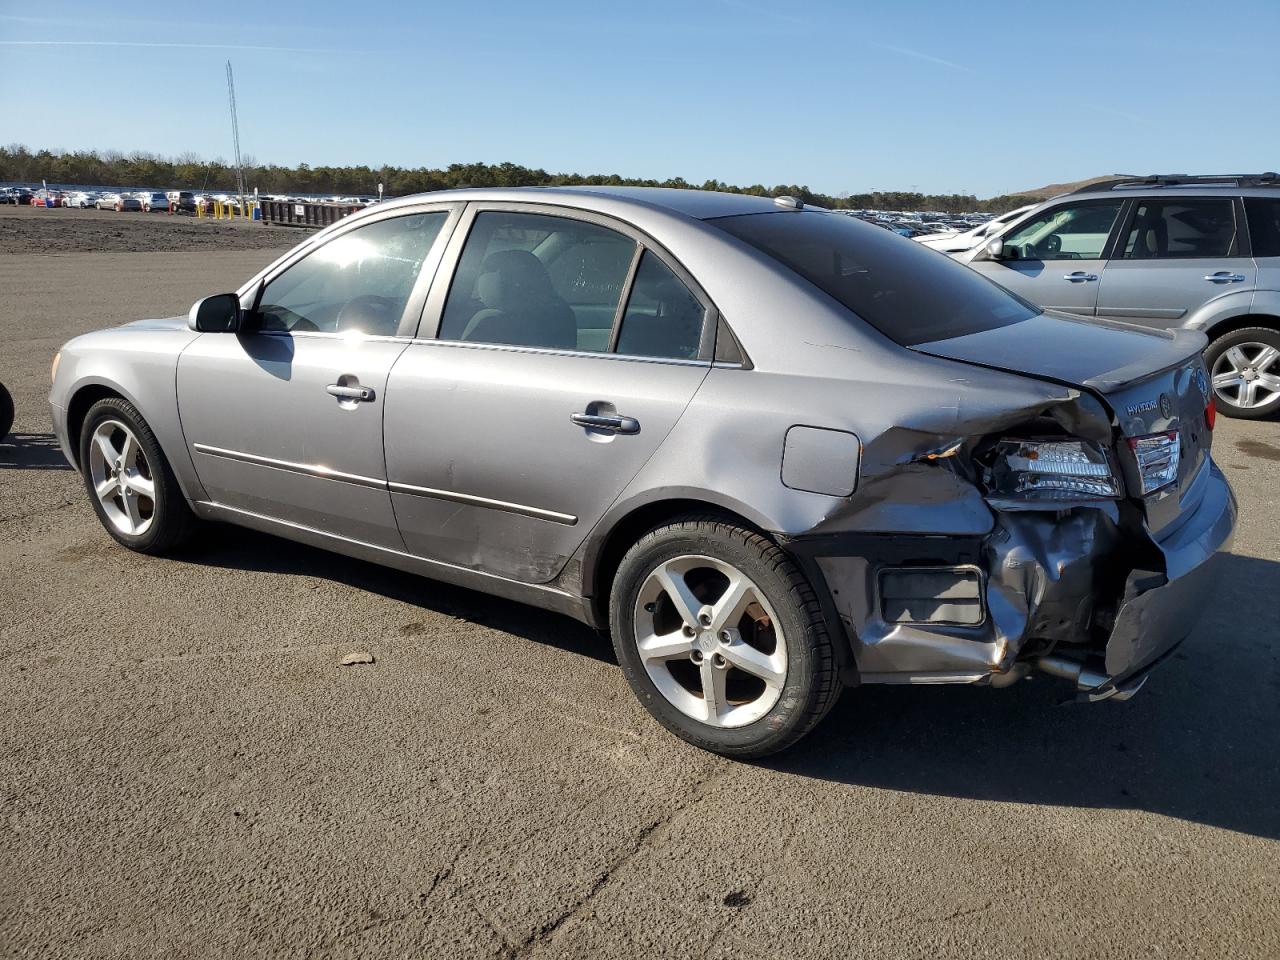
x=359, y=281
x=1072, y=232
x=663, y=318
x=537, y=281
x=1181, y=227
x=1263, y=214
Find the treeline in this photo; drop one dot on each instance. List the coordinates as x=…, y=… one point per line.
x=188, y=171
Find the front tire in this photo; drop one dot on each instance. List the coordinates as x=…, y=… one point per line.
x=722, y=638
x=1244, y=368
x=130, y=483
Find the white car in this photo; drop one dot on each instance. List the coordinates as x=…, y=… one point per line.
x=80, y=200
x=953, y=243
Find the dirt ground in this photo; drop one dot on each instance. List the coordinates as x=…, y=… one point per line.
x=25, y=230
x=186, y=771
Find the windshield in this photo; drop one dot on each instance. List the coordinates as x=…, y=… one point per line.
x=909, y=293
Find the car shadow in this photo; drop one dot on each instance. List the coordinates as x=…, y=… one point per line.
x=31, y=451
x=242, y=549
x=1201, y=742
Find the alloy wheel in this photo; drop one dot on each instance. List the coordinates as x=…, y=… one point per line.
x=1247, y=375
x=122, y=478
x=710, y=641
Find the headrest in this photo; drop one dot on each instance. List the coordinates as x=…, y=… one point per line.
x=510, y=278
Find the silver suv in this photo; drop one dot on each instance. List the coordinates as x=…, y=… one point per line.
x=1164, y=251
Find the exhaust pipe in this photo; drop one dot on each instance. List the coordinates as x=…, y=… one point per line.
x=1077, y=671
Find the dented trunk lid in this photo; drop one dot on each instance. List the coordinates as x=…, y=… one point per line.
x=1153, y=380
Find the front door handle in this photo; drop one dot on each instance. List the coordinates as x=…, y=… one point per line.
x=1223, y=277
x=344, y=392
x=613, y=422
x=1080, y=277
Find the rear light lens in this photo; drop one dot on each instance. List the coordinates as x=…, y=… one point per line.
x=1211, y=412
x=1157, y=455
x=1051, y=470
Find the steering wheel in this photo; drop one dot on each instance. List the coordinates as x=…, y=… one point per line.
x=368, y=313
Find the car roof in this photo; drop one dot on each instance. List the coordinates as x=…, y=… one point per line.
x=698, y=204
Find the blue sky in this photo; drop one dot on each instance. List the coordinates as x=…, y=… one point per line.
x=966, y=97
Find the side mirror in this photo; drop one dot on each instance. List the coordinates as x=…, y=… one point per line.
x=995, y=249
x=217, y=314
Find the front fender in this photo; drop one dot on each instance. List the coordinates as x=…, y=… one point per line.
x=139, y=366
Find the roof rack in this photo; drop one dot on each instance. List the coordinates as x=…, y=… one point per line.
x=1184, y=180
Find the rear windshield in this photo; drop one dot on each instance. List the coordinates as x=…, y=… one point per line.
x=909, y=293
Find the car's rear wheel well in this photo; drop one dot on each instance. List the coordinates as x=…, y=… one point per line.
x=83, y=399
x=635, y=525
x=1243, y=322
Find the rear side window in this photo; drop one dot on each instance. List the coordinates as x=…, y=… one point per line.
x=1181, y=228
x=1263, y=214
x=537, y=281
x=663, y=318
x=909, y=293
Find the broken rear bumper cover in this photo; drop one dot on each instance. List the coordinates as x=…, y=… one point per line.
x=1085, y=594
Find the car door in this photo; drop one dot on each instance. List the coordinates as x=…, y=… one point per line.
x=284, y=419
x=550, y=369
x=1055, y=259
x=1176, y=254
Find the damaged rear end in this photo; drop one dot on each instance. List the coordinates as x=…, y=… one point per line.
x=1106, y=511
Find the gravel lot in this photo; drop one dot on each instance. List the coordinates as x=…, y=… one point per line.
x=186, y=771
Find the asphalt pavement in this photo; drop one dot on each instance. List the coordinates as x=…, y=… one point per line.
x=187, y=771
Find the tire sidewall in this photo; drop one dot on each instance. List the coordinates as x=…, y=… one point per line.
x=1220, y=346
x=793, y=707
x=165, y=487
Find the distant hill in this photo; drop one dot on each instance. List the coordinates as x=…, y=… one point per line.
x=1053, y=189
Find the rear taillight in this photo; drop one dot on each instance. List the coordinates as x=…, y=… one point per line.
x=1051, y=470
x=1211, y=412
x=1157, y=455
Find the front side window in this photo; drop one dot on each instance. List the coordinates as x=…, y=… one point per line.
x=359, y=281
x=909, y=293
x=1176, y=227
x=1075, y=232
x=663, y=319
x=1263, y=214
x=537, y=281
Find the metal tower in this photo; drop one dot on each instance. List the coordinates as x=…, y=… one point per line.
x=235, y=133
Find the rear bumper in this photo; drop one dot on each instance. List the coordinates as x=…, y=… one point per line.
x=1047, y=598
x=1151, y=621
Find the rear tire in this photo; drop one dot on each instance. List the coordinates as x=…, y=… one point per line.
x=1244, y=368
x=6, y=412
x=743, y=685
x=129, y=481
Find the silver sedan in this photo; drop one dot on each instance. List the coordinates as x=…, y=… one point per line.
x=772, y=451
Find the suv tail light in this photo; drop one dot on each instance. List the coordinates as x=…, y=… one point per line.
x=1157, y=455
x=1211, y=412
x=1051, y=470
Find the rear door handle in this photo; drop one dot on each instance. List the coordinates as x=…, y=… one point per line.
x=1080, y=277
x=363, y=394
x=1223, y=277
x=615, y=423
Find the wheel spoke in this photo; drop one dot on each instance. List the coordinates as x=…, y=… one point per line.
x=750, y=660
x=141, y=485
x=1235, y=356
x=129, y=450
x=664, y=646
x=1224, y=381
x=713, y=695
x=728, y=610
x=1265, y=358
x=131, y=508
x=1269, y=381
x=675, y=587
x=1248, y=393
x=103, y=442
x=106, y=489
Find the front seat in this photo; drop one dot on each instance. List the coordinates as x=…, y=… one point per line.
x=520, y=306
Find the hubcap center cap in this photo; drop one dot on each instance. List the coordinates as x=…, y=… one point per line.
x=1251, y=374
x=706, y=641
